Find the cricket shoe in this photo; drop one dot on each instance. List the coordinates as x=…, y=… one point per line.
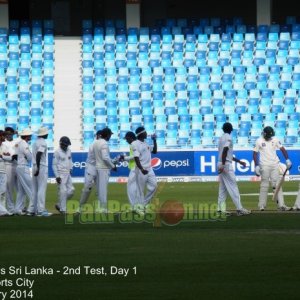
x=243, y=212
x=284, y=208
x=20, y=213
x=57, y=207
x=140, y=210
x=78, y=211
x=296, y=208
x=261, y=208
x=6, y=214
x=30, y=214
x=224, y=213
x=101, y=210
x=44, y=214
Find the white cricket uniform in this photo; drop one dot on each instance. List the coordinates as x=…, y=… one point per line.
x=103, y=165
x=227, y=179
x=90, y=175
x=39, y=183
x=131, y=183
x=269, y=169
x=24, y=177
x=143, y=151
x=62, y=165
x=297, y=202
x=9, y=147
x=3, y=210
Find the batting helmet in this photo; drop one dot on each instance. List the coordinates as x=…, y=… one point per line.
x=268, y=132
x=64, y=140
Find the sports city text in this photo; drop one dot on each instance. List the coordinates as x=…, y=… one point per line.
x=19, y=282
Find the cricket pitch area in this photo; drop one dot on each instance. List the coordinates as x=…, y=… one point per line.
x=255, y=256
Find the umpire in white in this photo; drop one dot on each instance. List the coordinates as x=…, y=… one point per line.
x=103, y=165
x=145, y=176
x=40, y=171
x=227, y=180
x=24, y=178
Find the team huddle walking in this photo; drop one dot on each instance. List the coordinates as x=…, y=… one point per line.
x=15, y=160
x=139, y=162
x=16, y=156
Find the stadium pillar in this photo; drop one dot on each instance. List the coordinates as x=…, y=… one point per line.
x=263, y=12
x=4, y=13
x=133, y=13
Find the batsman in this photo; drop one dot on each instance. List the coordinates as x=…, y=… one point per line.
x=267, y=166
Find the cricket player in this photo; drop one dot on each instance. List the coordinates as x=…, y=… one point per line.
x=131, y=183
x=145, y=176
x=90, y=173
x=40, y=172
x=103, y=165
x=3, y=210
x=267, y=166
x=227, y=180
x=10, y=158
x=23, y=172
x=62, y=165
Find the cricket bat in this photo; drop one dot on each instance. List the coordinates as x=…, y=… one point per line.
x=279, y=185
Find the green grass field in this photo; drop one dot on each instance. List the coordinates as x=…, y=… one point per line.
x=249, y=257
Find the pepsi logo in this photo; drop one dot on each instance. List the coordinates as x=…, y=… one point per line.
x=156, y=163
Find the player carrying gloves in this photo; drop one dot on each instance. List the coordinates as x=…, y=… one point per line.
x=268, y=166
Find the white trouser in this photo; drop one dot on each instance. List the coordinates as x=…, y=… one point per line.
x=102, y=180
x=297, y=202
x=132, y=188
x=228, y=185
x=3, y=210
x=90, y=178
x=11, y=185
x=65, y=191
x=24, y=188
x=39, y=187
x=269, y=173
x=149, y=181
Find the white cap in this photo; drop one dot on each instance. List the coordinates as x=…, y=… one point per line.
x=42, y=131
x=26, y=132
